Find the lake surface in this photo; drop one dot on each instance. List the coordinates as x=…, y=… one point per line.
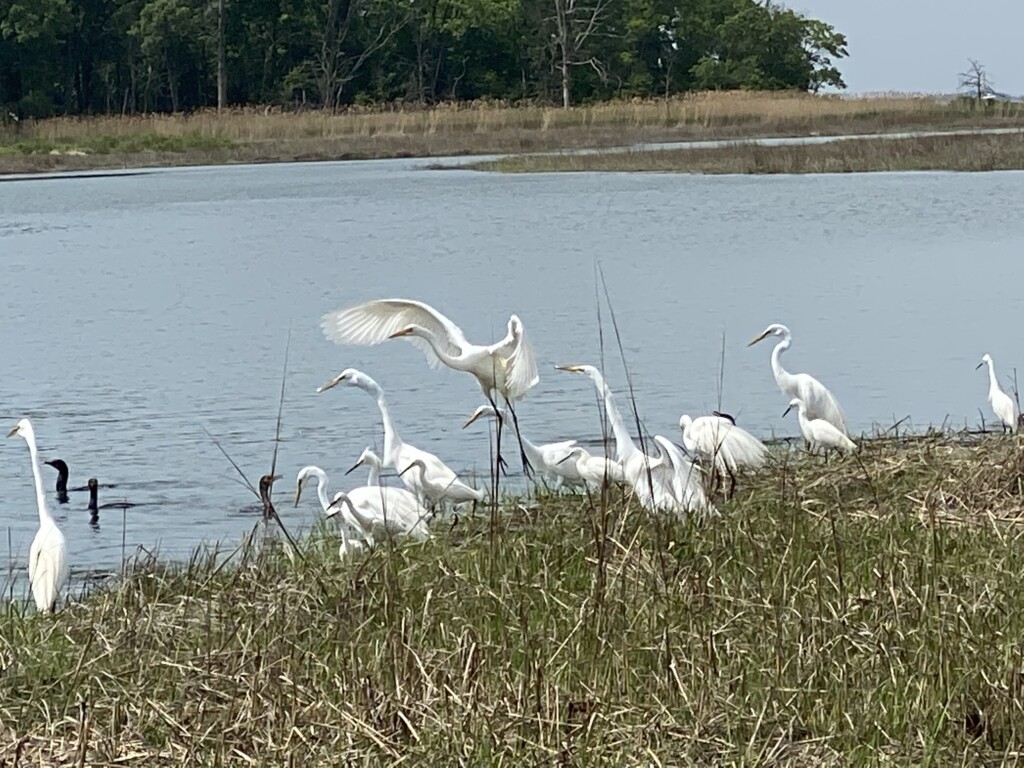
x=138, y=309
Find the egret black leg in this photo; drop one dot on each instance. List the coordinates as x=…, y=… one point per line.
x=527, y=467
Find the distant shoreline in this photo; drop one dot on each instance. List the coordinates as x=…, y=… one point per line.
x=259, y=136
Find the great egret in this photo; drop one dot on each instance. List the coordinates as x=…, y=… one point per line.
x=94, y=505
x=353, y=538
x=1004, y=406
x=398, y=454
x=718, y=439
x=819, y=433
x=383, y=510
x=506, y=368
x=48, y=566
x=669, y=481
x=454, y=492
x=593, y=470
x=548, y=459
x=819, y=401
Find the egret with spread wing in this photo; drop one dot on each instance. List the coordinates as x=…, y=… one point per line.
x=48, y=566
x=506, y=368
x=718, y=439
x=818, y=401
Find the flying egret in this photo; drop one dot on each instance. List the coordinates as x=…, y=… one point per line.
x=819, y=401
x=48, y=566
x=593, y=470
x=397, y=454
x=718, y=439
x=547, y=459
x=383, y=510
x=669, y=481
x=353, y=538
x=819, y=433
x=506, y=368
x=1004, y=406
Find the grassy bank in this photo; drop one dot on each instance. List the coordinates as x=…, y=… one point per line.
x=860, y=612
x=255, y=135
x=989, y=152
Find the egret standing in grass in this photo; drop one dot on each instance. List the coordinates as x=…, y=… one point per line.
x=819, y=402
x=1004, y=406
x=351, y=539
x=48, y=566
x=383, y=510
x=397, y=453
x=506, y=369
x=819, y=433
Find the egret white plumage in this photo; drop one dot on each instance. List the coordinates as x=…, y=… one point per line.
x=669, y=481
x=353, y=538
x=48, y=566
x=368, y=458
x=505, y=369
x=547, y=459
x=1004, y=406
x=718, y=439
x=382, y=511
x=819, y=433
x=595, y=471
x=452, y=491
x=397, y=453
x=818, y=400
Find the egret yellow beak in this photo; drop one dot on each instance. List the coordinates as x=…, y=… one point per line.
x=403, y=332
x=756, y=339
x=570, y=368
x=328, y=385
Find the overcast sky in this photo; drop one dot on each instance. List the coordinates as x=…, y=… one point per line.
x=921, y=45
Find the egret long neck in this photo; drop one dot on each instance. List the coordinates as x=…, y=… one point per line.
x=391, y=439
x=321, y=488
x=993, y=383
x=781, y=374
x=373, y=478
x=44, y=514
x=624, y=446
x=361, y=522
x=452, y=362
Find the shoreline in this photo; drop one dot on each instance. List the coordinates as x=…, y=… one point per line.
x=253, y=136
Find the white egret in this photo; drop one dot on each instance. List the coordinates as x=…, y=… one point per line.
x=353, y=538
x=819, y=433
x=48, y=566
x=398, y=454
x=593, y=470
x=818, y=400
x=506, y=368
x=1004, y=406
x=718, y=439
x=548, y=459
x=669, y=481
x=383, y=510
x=452, y=491
x=368, y=458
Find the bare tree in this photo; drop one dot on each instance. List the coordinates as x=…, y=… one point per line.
x=333, y=65
x=975, y=79
x=222, y=67
x=575, y=22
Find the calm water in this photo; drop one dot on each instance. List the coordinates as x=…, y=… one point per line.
x=137, y=309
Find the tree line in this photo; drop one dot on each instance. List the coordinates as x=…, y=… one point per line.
x=129, y=56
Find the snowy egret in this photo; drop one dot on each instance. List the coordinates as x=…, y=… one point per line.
x=594, y=470
x=48, y=566
x=819, y=433
x=452, y=491
x=353, y=537
x=819, y=401
x=384, y=510
x=1004, y=406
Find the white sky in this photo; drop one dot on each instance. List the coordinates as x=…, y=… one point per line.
x=921, y=45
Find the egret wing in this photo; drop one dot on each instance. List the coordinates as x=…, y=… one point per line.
x=375, y=321
x=521, y=374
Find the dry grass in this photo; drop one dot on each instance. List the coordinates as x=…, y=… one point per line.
x=255, y=135
x=866, y=611
x=954, y=152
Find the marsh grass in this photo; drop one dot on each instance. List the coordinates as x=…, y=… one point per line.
x=266, y=135
x=953, y=152
x=863, y=611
